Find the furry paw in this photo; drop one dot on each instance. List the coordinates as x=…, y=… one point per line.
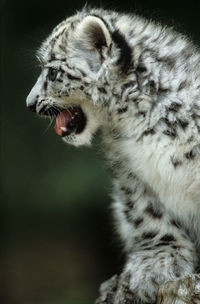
x=183, y=291
x=116, y=291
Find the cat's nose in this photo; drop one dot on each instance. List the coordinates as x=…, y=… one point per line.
x=32, y=98
x=31, y=102
x=32, y=107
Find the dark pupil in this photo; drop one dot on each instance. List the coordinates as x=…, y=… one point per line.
x=52, y=74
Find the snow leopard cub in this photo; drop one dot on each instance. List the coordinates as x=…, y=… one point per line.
x=139, y=83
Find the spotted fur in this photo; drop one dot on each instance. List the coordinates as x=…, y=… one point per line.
x=139, y=82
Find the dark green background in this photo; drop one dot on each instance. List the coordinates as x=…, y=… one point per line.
x=58, y=243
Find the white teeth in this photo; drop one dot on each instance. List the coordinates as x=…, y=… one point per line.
x=63, y=129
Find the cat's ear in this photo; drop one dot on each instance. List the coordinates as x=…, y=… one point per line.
x=93, y=34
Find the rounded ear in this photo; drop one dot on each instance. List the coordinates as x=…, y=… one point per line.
x=93, y=33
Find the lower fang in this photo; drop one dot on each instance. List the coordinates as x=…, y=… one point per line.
x=64, y=129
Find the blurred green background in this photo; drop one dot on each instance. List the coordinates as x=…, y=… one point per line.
x=58, y=243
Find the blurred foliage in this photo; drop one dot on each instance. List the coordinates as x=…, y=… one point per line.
x=57, y=228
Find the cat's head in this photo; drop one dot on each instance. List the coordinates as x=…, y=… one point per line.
x=80, y=62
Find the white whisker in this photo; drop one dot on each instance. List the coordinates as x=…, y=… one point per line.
x=49, y=125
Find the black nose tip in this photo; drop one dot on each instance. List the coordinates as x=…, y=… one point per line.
x=32, y=107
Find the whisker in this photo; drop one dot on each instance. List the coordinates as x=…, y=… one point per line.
x=49, y=125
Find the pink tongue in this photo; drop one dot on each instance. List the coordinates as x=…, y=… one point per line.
x=62, y=120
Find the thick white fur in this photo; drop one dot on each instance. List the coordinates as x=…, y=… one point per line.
x=150, y=121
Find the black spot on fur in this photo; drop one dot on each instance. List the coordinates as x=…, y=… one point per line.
x=145, y=259
x=72, y=77
x=128, y=207
x=141, y=69
x=122, y=110
x=115, y=133
x=115, y=167
x=130, y=204
x=126, y=190
x=130, y=175
x=190, y=155
x=53, y=57
x=195, y=116
x=153, y=86
x=168, y=123
x=148, y=132
x=127, y=214
x=153, y=212
x=147, y=248
x=128, y=85
x=174, y=107
x=149, y=235
x=182, y=85
x=141, y=113
x=176, y=162
x=176, y=247
x=168, y=238
x=125, y=50
x=183, y=123
x=162, y=244
x=171, y=133
x=175, y=223
x=45, y=85
x=61, y=70
x=102, y=90
x=163, y=90
x=138, y=222
x=62, y=47
x=167, y=59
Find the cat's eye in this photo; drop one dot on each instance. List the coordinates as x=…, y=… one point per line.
x=52, y=74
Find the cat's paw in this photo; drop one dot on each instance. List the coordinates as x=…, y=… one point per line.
x=116, y=291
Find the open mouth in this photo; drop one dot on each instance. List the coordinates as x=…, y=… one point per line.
x=69, y=121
